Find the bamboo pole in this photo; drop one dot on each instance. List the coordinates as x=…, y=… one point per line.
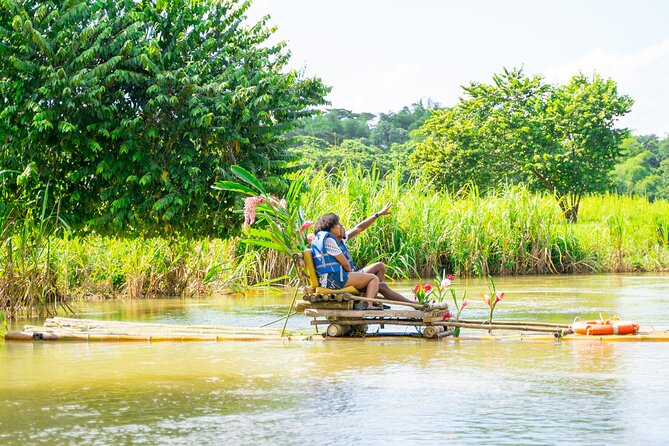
x=92, y=324
x=290, y=309
x=277, y=320
x=501, y=326
x=526, y=323
x=390, y=302
x=419, y=322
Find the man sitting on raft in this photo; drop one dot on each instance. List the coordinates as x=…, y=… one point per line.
x=333, y=262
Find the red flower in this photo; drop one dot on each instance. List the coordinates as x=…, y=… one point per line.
x=451, y=277
x=307, y=224
x=499, y=296
x=427, y=288
x=446, y=315
x=417, y=288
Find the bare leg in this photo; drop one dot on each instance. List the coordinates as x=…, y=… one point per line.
x=378, y=269
x=366, y=281
x=389, y=294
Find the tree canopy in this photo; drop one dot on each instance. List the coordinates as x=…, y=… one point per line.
x=130, y=110
x=643, y=168
x=558, y=138
x=339, y=135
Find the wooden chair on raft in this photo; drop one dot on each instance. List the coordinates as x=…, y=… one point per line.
x=314, y=293
x=315, y=286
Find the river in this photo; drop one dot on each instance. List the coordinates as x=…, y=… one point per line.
x=350, y=392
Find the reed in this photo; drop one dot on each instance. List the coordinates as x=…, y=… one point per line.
x=512, y=231
x=28, y=272
x=108, y=267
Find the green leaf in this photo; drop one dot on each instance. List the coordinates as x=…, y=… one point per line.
x=248, y=178
x=265, y=244
x=233, y=187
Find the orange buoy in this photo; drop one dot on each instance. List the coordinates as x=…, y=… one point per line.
x=608, y=327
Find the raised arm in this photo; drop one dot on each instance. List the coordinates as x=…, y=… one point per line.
x=367, y=222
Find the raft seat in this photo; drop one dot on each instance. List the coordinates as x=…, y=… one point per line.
x=313, y=279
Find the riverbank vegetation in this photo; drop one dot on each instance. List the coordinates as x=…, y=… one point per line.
x=511, y=231
x=117, y=119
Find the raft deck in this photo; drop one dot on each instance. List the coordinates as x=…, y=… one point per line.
x=72, y=329
x=90, y=330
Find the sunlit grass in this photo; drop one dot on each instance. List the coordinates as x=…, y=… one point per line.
x=514, y=231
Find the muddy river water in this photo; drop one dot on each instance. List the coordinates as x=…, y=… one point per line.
x=395, y=391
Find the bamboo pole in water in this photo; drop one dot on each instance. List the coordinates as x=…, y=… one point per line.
x=290, y=310
x=477, y=325
x=95, y=324
x=526, y=323
x=390, y=302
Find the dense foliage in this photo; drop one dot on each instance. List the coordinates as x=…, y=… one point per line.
x=511, y=231
x=556, y=138
x=644, y=167
x=130, y=110
x=338, y=136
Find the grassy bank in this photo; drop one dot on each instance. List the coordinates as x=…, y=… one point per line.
x=514, y=231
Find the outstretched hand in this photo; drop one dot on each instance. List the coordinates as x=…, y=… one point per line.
x=386, y=210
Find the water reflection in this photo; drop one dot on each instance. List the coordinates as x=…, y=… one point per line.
x=348, y=392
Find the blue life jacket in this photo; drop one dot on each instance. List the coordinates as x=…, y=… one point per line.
x=324, y=262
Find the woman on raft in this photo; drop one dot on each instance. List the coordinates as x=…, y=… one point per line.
x=333, y=262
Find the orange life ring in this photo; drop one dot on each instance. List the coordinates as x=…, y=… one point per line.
x=608, y=327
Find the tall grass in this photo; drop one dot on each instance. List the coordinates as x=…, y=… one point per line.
x=134, y=267
x=28, y=276
x=513, y=231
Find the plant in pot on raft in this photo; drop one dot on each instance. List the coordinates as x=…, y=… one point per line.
x=424, y=293
x=281, y=223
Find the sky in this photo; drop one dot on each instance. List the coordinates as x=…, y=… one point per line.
x=382, y=55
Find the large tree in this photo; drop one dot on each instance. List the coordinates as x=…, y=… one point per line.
x=558, y=138
x=131, y=109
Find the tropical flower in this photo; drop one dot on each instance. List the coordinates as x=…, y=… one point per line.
x=421, y=292
x=444, y=282
x=306, y=225
x=447, y=315
x=250, y=210
x=311, y=237
x=489, y=301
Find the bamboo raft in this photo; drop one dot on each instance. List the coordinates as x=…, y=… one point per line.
x=71, y=329
x=89, y=330
x=338, y=311
x=344, y=313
